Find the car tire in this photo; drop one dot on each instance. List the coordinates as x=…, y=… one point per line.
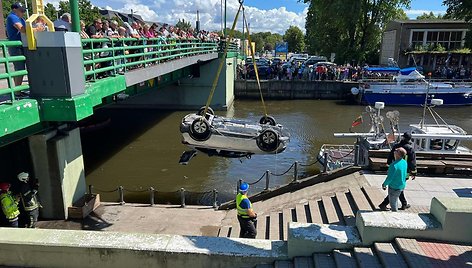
x=200, y=129
x=267, y=120
x=209, y=111
x=268, y=140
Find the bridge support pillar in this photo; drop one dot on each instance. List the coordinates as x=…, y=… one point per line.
x=59, y=167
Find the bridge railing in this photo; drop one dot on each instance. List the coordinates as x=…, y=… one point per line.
x=7, y=72
x=111, y=56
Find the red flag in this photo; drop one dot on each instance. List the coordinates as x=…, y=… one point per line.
x=357, y=122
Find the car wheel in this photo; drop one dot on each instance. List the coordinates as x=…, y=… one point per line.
x=200, y=130
x=268, y=140
x=202, y=110
x=267, y=120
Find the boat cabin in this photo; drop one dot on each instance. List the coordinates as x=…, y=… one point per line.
x=439, y=145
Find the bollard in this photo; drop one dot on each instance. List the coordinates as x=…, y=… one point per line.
x=295, y=172
x=356, y=155
x=122, y=195
x=182, y=197
x=240, y=181
x=90, y=189
x=267, y=176
x=215, y=198
x=325, y=164
x=151, y=193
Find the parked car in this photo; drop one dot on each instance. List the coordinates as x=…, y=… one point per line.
x=314, y=60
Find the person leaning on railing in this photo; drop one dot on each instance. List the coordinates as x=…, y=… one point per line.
x=15, y=26
x=84, y=35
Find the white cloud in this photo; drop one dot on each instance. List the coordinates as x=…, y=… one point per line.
x=170, y=11
x=413, y=13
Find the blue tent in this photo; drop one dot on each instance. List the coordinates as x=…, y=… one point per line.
x=407, y=71
x=382, y=69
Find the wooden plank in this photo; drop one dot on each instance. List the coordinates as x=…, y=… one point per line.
x=348, y=214
x=360, y=199
x=315, y=211
x=274, y=226
x=459, y=164
x=261, y=227
x=374, y=196
x=224, y=231
x=301, y=214
x=287, y=217
x=430, y=163
x=330, y=210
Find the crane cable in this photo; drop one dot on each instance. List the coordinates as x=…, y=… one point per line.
x=255, y=66
x=222, y=62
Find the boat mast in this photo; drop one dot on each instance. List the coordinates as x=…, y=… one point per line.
x=425, y=104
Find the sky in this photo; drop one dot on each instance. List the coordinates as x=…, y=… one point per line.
x=263, y=15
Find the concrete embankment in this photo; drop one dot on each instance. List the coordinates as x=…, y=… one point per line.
x=286, y=90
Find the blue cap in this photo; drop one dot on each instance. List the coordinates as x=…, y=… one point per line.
x=244, y=187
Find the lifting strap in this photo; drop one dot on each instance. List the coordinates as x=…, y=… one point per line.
x=222, y=62
x=255, y=66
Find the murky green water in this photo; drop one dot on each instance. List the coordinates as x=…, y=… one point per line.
x=141, y=148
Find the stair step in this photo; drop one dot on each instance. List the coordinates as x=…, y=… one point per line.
x=348, y=214
x=224, y=231
x=413, y=253
x=344, y=259
x=330, y=210
x=365, y=258
x=286, y=218
x=374, y=196
x=283, y=264
x=264, y=266
x=360, y=199
x=274, y=233
x=314, y=209
x=301, y=214
x=388, y=255
x=323, y=260
x=261, y=227
x=303, y=262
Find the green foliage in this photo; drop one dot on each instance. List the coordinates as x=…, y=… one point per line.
x=87, y=12
x=295, y=39
x=351, y=29
x=183, y=25
x=430, y=16
x=461, y=10
x=50, y=11
x=6, y=7
x=265, y=41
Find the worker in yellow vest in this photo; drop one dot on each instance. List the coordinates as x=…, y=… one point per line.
x=29, y=200
x=9, y=204
x=246, y=215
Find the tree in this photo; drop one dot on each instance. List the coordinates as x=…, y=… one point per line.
x=87, y=12
x=295, y=39
x=461, y=10
x=183, y=25
x=429, y=16
x=6, y=7
x=50, y=11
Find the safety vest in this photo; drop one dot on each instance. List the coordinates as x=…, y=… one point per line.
x=9, y=206
x=242, y=211
x=32, y=204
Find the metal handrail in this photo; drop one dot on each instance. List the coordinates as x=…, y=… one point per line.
x=9, y=73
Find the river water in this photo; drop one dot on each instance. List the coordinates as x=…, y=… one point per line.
x=141, y=148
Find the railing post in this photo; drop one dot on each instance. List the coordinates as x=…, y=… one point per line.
x=295, y=172
x=90, y=189
x=267, y=176
x=325, y=164
x=122, y=195
x=182, y=197
x=151, y=195
x=215, y=198
x=238, y=186
x=356, y=155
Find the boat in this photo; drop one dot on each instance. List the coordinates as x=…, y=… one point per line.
x=438, y=138
x=409, y=87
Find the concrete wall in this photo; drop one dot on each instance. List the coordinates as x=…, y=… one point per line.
x=274, y=89
x=59, y=167
x=191, y=93
x=63, y=248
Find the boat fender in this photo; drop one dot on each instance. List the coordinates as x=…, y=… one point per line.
x=354, y=91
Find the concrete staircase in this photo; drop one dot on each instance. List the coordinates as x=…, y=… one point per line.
x=337, y=208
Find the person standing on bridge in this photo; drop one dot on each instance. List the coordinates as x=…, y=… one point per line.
x=246, y=215
x=9, y=204
x=411, y=161
x=396, y=178
x=29, y=200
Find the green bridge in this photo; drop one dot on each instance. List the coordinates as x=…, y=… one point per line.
x=68, y=78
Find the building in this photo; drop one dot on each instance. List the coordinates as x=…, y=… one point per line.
x=111, y=14
x=427, y=43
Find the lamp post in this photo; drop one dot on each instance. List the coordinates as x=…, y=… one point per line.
x=74, y=12
x=225, y=20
